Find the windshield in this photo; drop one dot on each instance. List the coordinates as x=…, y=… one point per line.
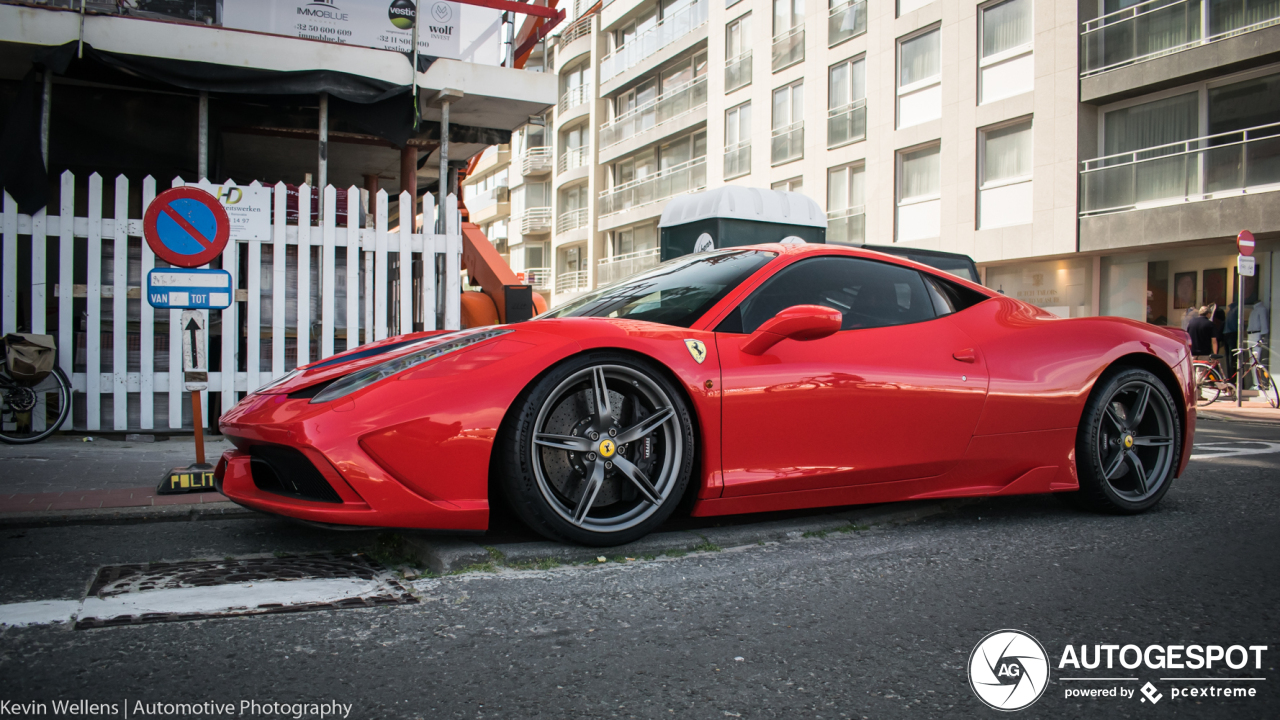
x=677, y=292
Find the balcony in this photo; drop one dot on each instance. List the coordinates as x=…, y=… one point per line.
x=788, y=48
x=737, y=160
x=539, y=278
x=1212, y=167
x=847, y=124
x=787, y=143
x=535, y=220
x=667, y=107
x=611, y=270
x=536, y=160
x=580, y=28
x=737, y=72
x=846, y=20
x=1161, y=27
x=847, y=226
x=676, y=180
x=573, y=158
x=572, y=220
x=666, y=31
x=490, y=204
x=572, y=281
x=574, y=96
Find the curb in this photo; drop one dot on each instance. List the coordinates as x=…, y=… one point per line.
x=449, y=555
x=1228, y=417
x=127, y=515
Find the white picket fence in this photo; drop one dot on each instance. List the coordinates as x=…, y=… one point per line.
x=382, y=305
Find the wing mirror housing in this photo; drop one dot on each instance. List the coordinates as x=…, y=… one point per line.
x=799, y=322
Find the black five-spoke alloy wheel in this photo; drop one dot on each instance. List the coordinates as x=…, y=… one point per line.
x=600, y=452
x=1129, y=443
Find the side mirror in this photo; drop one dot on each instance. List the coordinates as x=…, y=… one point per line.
x=799, y=322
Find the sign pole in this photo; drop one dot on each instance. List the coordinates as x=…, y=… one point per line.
x=1244, y=267
x=195, y=416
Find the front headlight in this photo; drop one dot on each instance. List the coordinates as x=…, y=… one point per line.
x=370, y=375
x=278, y=381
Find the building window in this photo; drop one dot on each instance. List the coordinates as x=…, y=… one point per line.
x=1004, y=175
x=906, y=6
x=919, y=79
x=919, y=194
x=737, y=141
x=845, y=19
x=737, y=68
x=788, y=123
x=788, y=33
x=795, y=184
x=573, y=87
x=846, y=198
x=575, y=150
x=847, y=103
x=1007, y=67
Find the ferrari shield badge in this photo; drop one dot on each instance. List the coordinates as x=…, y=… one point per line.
x=697, y=350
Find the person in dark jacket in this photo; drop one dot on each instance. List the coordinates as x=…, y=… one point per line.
x=1204, y=339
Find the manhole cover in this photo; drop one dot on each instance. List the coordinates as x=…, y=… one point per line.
x=197, y=590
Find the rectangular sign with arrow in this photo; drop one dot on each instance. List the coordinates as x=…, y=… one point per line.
x=183, y=288
x=195, y=358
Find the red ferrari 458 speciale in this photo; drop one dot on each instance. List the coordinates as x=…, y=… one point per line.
x=752, y=379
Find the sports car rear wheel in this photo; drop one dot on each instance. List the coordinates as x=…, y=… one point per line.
x=1128, y=444
x=600, y=451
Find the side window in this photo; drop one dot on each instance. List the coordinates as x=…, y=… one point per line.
x=949, y=297
x=867, y=293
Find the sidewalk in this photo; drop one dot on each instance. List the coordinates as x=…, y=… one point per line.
x=1252, y=412
x=65, y=477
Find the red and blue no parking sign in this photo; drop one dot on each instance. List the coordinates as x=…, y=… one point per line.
x=186, y=227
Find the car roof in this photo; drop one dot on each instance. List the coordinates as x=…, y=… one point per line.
x=789, y=250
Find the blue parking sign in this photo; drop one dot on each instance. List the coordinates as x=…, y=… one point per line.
x=189, y=289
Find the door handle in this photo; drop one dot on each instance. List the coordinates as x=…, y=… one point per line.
x=965, y=356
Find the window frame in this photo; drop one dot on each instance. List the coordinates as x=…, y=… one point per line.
x=900, y=157
x=982, y=182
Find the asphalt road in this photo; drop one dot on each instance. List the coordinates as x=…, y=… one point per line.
x=875, y=624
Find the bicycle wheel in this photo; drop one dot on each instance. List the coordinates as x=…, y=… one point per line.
x=1207, y=379
x=30, y=414
x=1266, y=386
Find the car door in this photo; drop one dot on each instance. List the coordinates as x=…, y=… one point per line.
x=894, y=395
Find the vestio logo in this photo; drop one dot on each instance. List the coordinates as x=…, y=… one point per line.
x=1008, y=670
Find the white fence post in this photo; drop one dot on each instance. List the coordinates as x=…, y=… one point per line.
x=429, y=249
x=353, y=268
x=303, y=329
x=147, y=324
x=93, y=303
x=379, y=287
x=9, y=226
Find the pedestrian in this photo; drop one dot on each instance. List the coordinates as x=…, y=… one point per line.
x=1259, y=329
x=1204, y=341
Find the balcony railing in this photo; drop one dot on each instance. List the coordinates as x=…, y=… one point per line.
x=1161, y=27
x=788, y=48
x=675, y=180
x=539, y=278
x=667, y=107
x=663, y=33
x=574, y=96
x=580, y=28
x=613, y=269
x=571, y=220
x=847, y=123
x=571, y=281
x=847, y=226
x=1230, y=163
x=737, y=72
x=536, y=161
x=574, y=157
x=535, y=220
x=489, y=198
x=737, y=160
x=846, y=20
x=787, y=143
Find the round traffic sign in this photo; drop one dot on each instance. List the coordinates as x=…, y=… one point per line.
x=186, y=226
x=1244, y=241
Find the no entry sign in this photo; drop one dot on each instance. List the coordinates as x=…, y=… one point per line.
x=1244, y=241
x=186, y=227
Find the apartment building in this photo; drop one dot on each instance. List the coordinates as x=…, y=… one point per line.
x=1094, y=158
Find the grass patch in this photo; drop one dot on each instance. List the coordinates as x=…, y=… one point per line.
x=539, y=564
x=816, y=533
x=852, y=528
x=478, y=567
x=391, y=551
x=494, y=552
x=707, y=547
x=675, y=553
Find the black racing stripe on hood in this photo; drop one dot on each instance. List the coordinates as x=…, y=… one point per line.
x=371, y=352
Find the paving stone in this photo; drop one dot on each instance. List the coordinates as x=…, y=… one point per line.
x=444, y=554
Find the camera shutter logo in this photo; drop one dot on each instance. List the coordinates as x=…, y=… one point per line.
x=1008, y=670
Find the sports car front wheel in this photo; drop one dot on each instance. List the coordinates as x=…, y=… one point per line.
x=599, y=452
x=1128, y=445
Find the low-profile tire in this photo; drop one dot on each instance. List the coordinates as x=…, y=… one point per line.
x=597, y=473
x=1128, y=444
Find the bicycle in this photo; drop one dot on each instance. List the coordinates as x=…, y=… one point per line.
x=31, y=413
x=1211, y=381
